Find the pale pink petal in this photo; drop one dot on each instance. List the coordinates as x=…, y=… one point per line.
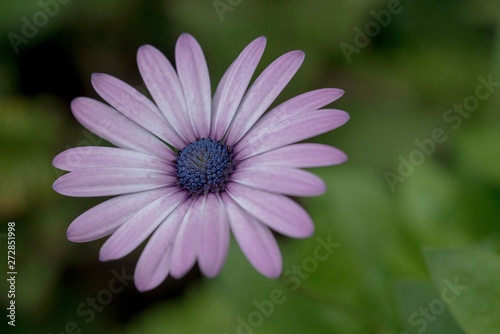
x=131, y=103
x=105, y=218
x=185, y=246
x=263, y=92
x=154, y=263
x=293, y=130
x=296, y=106
x=276, y=211
x=256, y=240
x=100, y=156
x=213, y=235
x=163, y=84
x=109, y=124
x=304, y=155
x=110, y=181
x=138, y=227
x=195, y=81
x=233, y=85
x=284, y=180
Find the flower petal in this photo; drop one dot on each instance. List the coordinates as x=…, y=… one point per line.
x=163, y=84
x=288, y=181
x=255, y=240
x=195, y=81
x=276, y=211
x=185, y=246
x=295, y=106
x=263, y=92
x=292, y=130
x=109, y=124
x=100, y=156
x=105, y=218
x=131, y=103
x=233, y=85
x=138, y=227
x=110, y=181
x=213, y=235
x=154, y=263
x=304, y=155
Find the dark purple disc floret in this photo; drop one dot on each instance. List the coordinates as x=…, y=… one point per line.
x=204, y=166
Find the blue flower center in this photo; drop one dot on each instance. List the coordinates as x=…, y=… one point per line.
x=204, y=166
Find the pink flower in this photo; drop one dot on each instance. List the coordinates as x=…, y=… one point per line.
x=230, y=169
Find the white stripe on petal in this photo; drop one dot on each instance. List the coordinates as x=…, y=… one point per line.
x=213, y=235
x=276, y=211
x=263, y=92
x=195, y=81
x=284, y=180
x=108, y=123
x=131, y=103
x=304, y=155
x=110, y=181
x=105, y=218
x=293, y=130
x=155, y=261
x=138, y=227
x=295, y=106
x=185, y=246
x=100, y=156
x=233, y=85
x=163, y=84
x=255, y=240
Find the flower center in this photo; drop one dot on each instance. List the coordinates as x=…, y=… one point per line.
x=204, y=166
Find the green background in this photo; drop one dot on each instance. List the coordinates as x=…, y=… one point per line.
x=400, y=247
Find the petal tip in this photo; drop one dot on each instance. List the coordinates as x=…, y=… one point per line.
x=56, y=161
x=97, y=75
x=106, y=254
x=185, y=34
x=274, y=274
x=322, y=190
x=104, y=257
x=261, y=40
x=70, y=235
x=97, y=78
x=55, y=185
x=143, y=285
x=77, y=103
x=343, y=116
x=299, y=54
x=145, y=49
x=338, y=92
x=342, y=157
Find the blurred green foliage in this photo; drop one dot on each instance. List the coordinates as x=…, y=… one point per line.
x=398, y=88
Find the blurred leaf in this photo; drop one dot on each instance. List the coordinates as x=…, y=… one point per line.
x=471, y=280
x=245, y=289
x=421, y=309
x=38, y=280
x=479, y=154
x=201, y=307
x=27, y=135
x=357, y=212
x=430, y=199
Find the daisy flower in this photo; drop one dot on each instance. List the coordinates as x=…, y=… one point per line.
x=189, y=169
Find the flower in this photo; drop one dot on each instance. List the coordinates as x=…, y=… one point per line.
x=230, y=170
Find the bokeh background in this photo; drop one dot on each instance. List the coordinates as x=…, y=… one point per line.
x=400, y=247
